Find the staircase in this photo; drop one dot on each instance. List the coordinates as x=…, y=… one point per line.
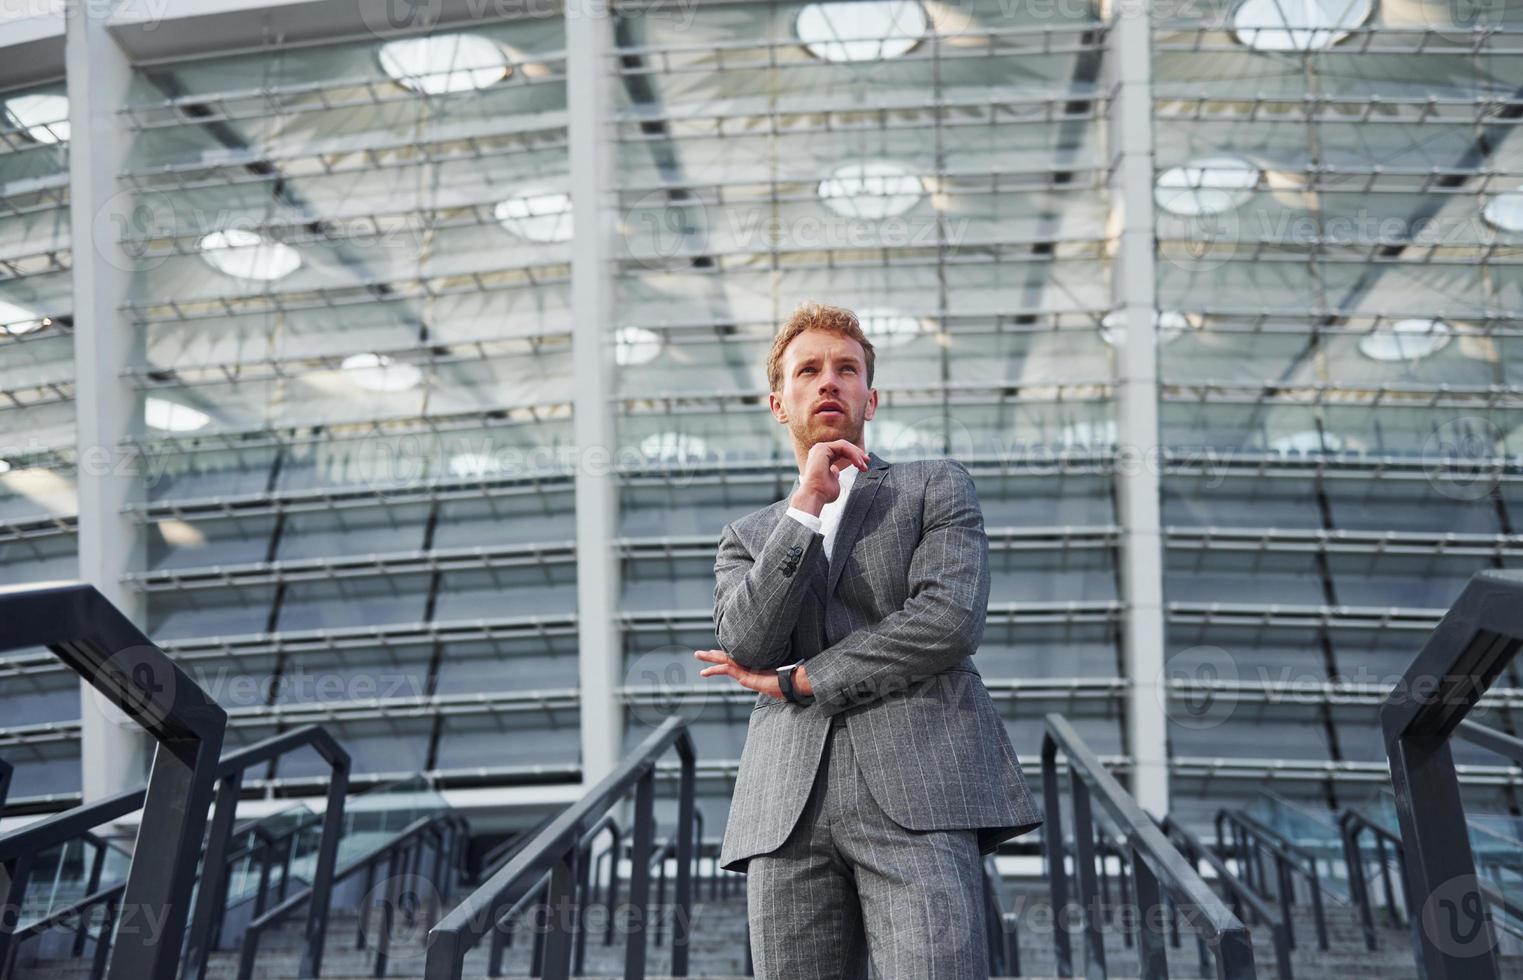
x=718, y=950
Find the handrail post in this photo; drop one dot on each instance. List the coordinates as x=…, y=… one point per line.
x=213, y=893
x=613, y=883
x=686, y=813
x=326, y=864
x=561, y=909
x=92, y=885
x=1084, y=871
x=1283, y=886
x=1477, y=637
x=1152, y=957
x=1053, y=849
x=1357, y=885
x=639, y=874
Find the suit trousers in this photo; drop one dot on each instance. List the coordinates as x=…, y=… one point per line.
x=851, y=889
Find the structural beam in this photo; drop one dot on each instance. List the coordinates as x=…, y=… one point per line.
x=597, y=505
x=1133, y=284
x=114, y=752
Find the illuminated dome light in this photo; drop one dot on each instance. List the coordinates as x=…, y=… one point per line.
x=874, y=189
x=377, y=372
x=44, y=118
x=168, y=416
x=889, y=328
x=860, y=30
x=246, y=254
x=635, y=345
x=1297, y=25
x=1169, y=323
x=1505, y=211
x=672, y=447
x=1405, y=340
x=537, y=214
x=1306, y=442
x=5, y=467
x=18, y=320
x=445, y=63
x=182, y=534
x=474, y=464
x=1209, y=185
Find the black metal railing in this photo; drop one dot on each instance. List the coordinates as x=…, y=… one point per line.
x=402, y=857
x=1353, y=826
x=211, y=902
x=1240, y=893
x=557, y=850
x=1250, y=838
x=1156, y=866
x=1001, y=925
x=6, y=769
x=97, y=642
x=1471, y=646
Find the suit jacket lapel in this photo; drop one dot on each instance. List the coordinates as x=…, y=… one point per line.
x=863, y=490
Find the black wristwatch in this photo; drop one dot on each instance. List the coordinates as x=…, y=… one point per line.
x=785, y=681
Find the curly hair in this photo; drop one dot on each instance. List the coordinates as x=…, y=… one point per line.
x=816, y=316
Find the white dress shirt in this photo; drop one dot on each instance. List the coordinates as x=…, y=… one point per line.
x=830, y=515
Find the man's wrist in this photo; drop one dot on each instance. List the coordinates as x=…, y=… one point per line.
x=809, y=503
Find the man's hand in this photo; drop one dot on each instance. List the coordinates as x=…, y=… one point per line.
x=820, y=482
x=760, y=681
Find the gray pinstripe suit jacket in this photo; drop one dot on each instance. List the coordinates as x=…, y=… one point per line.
x=890, y=627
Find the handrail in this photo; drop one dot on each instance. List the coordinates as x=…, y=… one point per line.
x=92, y=637
x=1002, y=931
x=6, y=772
x=1466, y=652
x=555, y=850
x=391, y=851
x=212, y=898
x=1287, y=855
x=1154, y=860
x=1351, y=824
x=1279, y=925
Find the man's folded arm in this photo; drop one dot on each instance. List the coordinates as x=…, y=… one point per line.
x=941, y=622
x=756, y=600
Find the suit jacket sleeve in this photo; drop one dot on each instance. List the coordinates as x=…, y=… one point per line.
x=942, y=621
x=757, y=598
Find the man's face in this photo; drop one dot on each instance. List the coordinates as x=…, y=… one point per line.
x=825, y=394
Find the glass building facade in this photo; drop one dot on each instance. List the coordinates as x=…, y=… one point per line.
x=442, y=352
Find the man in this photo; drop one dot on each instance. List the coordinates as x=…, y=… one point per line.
x=876, y=771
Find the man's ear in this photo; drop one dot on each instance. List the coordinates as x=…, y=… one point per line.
x=872, y=404
x=776, y=404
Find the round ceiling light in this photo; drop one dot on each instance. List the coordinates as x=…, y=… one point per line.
x=889, y=328
x=1405, y=340
x=246, y=254
x=1209, y=185
x=1505, y=211
x=635, y=345
x=1297, y=25
x=537, y=214
x=443, y=64
x=875, y=189
x=861, y=30
x=168, y=416
x=377, y=372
